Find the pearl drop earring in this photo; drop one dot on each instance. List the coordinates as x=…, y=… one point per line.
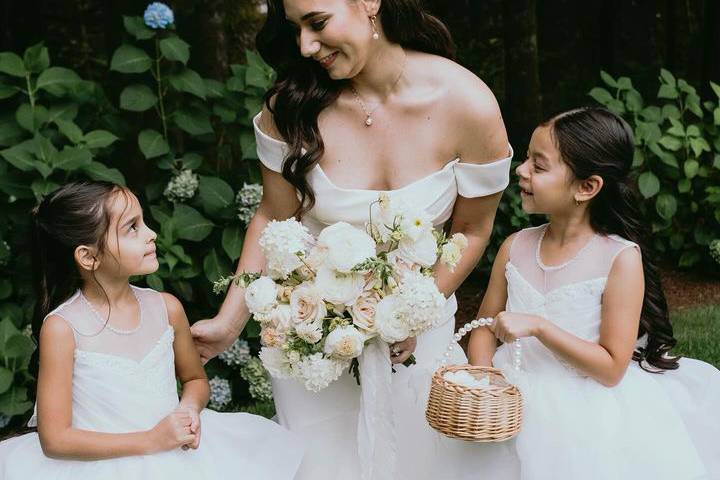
x=375, y=34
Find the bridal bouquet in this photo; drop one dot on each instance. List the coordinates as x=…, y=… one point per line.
x=321, y=300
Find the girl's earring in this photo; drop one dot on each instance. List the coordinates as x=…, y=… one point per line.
x=375, y=34
x=577, y=202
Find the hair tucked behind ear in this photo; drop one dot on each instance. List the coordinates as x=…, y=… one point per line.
x=303, y=88
x=594, y=141
x=73, y=215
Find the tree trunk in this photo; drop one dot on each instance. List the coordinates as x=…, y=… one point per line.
x=523, y=102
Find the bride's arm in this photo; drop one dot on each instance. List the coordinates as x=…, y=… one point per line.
x=279, y=201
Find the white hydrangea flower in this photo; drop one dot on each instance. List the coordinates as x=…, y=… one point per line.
x=4, y=421
x=421, y=299
x=346, y=246
x=277, y=362
x=391, y=320
x=317, y=372
x=451, y=254
x=220, y=393
x=182, y=186
x=261, y=295
x=344, y=343
x=247, y=200
x=339, y=288
x=237, y=354
x=281, y=242
x=256, y=375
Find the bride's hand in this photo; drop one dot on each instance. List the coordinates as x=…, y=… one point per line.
x=401, y=351
x=212, y=337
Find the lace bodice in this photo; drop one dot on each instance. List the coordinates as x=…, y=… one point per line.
x=569, y=295
x=122, y=381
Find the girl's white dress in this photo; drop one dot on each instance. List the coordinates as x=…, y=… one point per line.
x=378, y=431
x=125, y=382
x=655, y=426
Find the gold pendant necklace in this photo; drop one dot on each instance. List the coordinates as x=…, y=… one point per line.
x=358, y=99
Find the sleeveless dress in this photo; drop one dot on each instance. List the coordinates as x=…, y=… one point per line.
x=342, y=424
x=125, y=382
x=662, y=426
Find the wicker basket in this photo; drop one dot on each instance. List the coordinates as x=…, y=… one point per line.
x=485, y=414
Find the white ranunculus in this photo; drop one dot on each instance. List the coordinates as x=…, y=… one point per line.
x=451, y=254
x=281, y=242
x=270, y=337
x=344, y=343
x=391, y=320
x=363, y=310
x=346, y=246
x=339, y=288
x=281, y=318
x=306, y=304
x=422, y=251
x=311, y=332
x=261, y=295
x=276, y=362
x=317, y=372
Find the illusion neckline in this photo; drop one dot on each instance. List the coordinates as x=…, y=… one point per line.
x=545, y=267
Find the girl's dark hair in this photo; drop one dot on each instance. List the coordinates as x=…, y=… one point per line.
x=595, y=141
x=73, y=215
x=303, y=88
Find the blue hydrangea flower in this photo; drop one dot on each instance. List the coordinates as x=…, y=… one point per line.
x=158, y=15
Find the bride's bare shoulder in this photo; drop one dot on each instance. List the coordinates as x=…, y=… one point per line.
x=266, y=122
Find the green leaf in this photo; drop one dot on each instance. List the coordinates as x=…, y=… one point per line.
x=716, y=116
x=10, y=132
x=215, y=266
x=691, y=168
x=14, y=401
x=129, y=59
x=137, y=98
x=699, y=145
x=693, y=131
x=226, y=114
x=232, y=241
x=70, y=130
x=667, y=91
x=671, y=143
x=155, y=282
x=667, y=77
x=689, y=259
x=638, y=158
x=7, y=330
x=73, y=158
x=716, y=161
x=608, y=79
x=31, y=121
x=677, y=128
x=215, y=194
x=191, y=161
x=716, y=88
x=64, y=111
x=193, y=122
x=99, y=139
x=136, y=27
x=98, y=171
x=12, y=64
x=152, y=144
x=6, y=287
x=190, y=82
x=6, y=379
x=15, y=185
x=58, y=81
x=666, y=206
x=7, y=91
x=692, y=102
x=649, y=184
x=214, y=89
x=651, y=114
x=21, y=156
x=42, y=187
x=254, y=105
x=175, y=49
x=601, y=95
x=634, y=101
x=248, y=146
x=624, y=83
x=190, y=224
x=36, y=58
x=670, y=111
x=684, y=185
x=18, y=346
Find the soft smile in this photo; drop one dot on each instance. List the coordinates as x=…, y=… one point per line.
x=328, y=60
x=151, y=254
x=525, y=192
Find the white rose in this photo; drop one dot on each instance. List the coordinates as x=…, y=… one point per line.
x=281, y=318
x=339, y=288
x=344, y=343
x=391, y=320
x=363, y=310
x=275, y=361
x=261, y=295
x=311, y=332
x=422, y=251
x=451, y=254
x=346, y=246
x=306, y=304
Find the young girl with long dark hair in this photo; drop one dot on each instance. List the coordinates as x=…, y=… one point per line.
x=604, y=398
x=109, y=353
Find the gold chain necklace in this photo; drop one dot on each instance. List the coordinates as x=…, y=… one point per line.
x=358, y=99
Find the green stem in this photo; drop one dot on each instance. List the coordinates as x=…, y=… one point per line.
x=31, y=95
x=159, y=88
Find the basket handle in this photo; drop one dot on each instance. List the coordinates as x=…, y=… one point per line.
x=469, y=327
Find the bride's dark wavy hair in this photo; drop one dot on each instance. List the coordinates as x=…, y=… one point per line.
x=303, y=88
x=594, y=141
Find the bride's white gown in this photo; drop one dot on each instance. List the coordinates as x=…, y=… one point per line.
x=328, y=420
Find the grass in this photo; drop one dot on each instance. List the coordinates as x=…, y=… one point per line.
x=698, y=332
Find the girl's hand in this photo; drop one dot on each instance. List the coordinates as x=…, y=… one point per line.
x=173, y=431
x=401, y=351
x=212, y=337
x=508, y=327
x=194, y=425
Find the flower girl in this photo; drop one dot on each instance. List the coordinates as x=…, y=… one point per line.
x=579, y=292
x=107, y=402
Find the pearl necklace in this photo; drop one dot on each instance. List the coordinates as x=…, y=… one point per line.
x=358, y=99
x=100, y=319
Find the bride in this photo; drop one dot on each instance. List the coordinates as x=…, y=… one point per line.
x=368, y=100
